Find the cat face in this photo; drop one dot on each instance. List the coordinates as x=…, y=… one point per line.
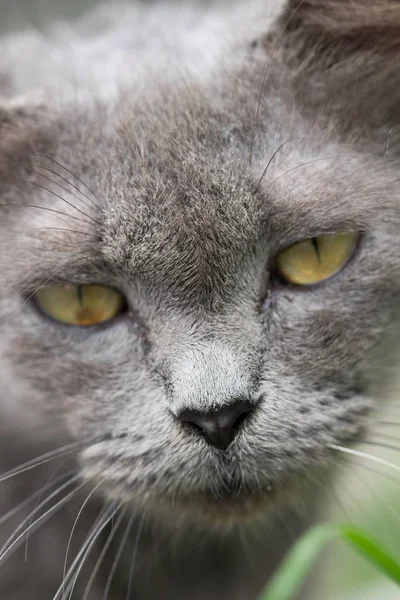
x=220, y=387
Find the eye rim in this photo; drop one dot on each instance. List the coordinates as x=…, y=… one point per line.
x=122, y=314
x=278, y=281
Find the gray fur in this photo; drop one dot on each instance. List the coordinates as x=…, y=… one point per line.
x=155, y=127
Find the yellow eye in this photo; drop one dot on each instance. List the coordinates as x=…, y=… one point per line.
x=82, y=305
x=315, y=259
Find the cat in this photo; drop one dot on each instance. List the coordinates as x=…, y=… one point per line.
x=199, y=287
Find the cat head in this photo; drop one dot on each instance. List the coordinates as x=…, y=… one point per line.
x=241, y=232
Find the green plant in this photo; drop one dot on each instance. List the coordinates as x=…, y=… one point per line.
x=301, y=557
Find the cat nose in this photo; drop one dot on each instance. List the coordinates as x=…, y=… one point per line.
x=218, y=427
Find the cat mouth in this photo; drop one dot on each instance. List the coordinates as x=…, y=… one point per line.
x=234, y=504
x=229, y=499
x=228, y=505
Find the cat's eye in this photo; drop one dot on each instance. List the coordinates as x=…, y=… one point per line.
x=81, y=305
x=315, y=259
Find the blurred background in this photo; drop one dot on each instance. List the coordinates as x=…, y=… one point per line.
x=367, y=492
x=17, y=14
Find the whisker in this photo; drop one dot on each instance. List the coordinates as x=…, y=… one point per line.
x=365, y=455
x=264, y=79
x=118, y=556
x=40, y=460
x=379, y=498
x=350, y=469
x=68, y=263
x=43, y=518
x=101, y=522
x=42, y=187
x=73, y=175
x=87, y=553
x=103, y=553
x=309, y=162
x=387, y=476
x=52, y=210
x=30, y=499
x=50, y=180
x=262, y=87
x=75, y=524
x=355, y=500
x=37, y=229
x=269, y=163
x=59, y=229
x=381, y=445
x=40, y=496
x=28, y=519
x=85, y=196
x=134, y=553
x=384, y=436
x=25, y=286
x=63, y=264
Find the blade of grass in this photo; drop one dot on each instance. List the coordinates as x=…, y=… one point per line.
x=288, y=580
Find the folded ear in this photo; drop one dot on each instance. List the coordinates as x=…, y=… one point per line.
x=330, y=31
x=344, y=56
x=347, y=17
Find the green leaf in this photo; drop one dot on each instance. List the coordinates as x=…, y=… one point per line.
x=297, y=564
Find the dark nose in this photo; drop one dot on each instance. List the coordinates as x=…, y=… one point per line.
x=218, y=427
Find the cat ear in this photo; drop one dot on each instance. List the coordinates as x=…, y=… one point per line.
x=340, y=18
x=343, y=55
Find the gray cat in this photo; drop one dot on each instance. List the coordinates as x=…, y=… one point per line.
x=199, y=287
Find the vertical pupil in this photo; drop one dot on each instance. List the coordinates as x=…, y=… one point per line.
x=315, y=244
x=79, y=292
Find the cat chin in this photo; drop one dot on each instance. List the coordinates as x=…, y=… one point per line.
x=225, y=511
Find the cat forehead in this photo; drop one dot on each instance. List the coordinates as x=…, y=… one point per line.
x=182, y=194
x=188, y=208
x=188, y=179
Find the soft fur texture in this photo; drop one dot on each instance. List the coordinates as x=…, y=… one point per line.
x=172, y=151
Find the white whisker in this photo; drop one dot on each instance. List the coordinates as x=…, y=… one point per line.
x=118, y=556
x=103, y=553
x=381, y=445
x=89, y=547
x=75, y=524
x=28, y=500
x=387, y=476
x=40, y=496
x=365, y=455
x=42, y=519
x=37, y=509
x=41, y=460
x=134, y=551
x=100, y=523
